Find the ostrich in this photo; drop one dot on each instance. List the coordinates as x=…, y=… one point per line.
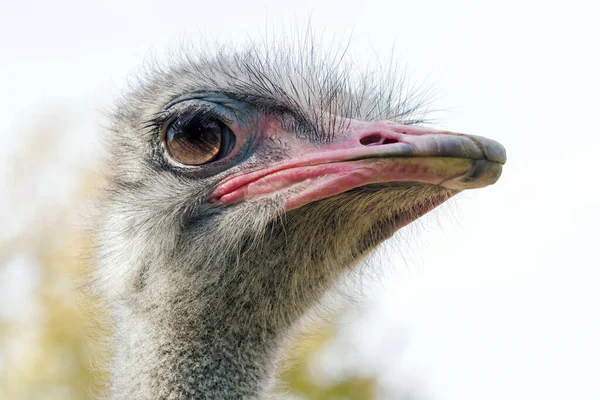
x=242, y=185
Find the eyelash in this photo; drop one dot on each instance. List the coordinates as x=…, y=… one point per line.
x=193, y=111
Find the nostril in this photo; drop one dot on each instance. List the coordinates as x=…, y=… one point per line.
x=371, y=140
x=376, y=139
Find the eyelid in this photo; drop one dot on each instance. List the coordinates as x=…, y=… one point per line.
x=209, y=97
x=229, y=107
x=190, y=108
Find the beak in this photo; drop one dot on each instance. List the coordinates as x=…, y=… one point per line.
x=367, y=153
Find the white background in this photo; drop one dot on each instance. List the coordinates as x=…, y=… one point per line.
x=497, y=296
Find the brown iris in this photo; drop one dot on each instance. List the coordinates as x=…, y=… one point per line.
x=196, y=141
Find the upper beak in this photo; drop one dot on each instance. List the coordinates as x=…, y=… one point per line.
x=367, y=153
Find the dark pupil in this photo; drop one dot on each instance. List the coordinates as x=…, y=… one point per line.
x=195, y=142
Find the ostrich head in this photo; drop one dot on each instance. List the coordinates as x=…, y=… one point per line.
x=242, y=186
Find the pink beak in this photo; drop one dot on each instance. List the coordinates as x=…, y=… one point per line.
x=367, y=153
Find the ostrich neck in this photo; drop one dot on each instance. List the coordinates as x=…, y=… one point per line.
x=214, y=330
x=156, y=359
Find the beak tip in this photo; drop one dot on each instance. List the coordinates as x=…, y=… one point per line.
x=481, y=173
x=492, y=150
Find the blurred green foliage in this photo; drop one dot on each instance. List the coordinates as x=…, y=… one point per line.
x=300, y=377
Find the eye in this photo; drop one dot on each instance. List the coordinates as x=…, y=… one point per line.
x=198, y=139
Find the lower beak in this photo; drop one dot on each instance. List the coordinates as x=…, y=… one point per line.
x=368, y=153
